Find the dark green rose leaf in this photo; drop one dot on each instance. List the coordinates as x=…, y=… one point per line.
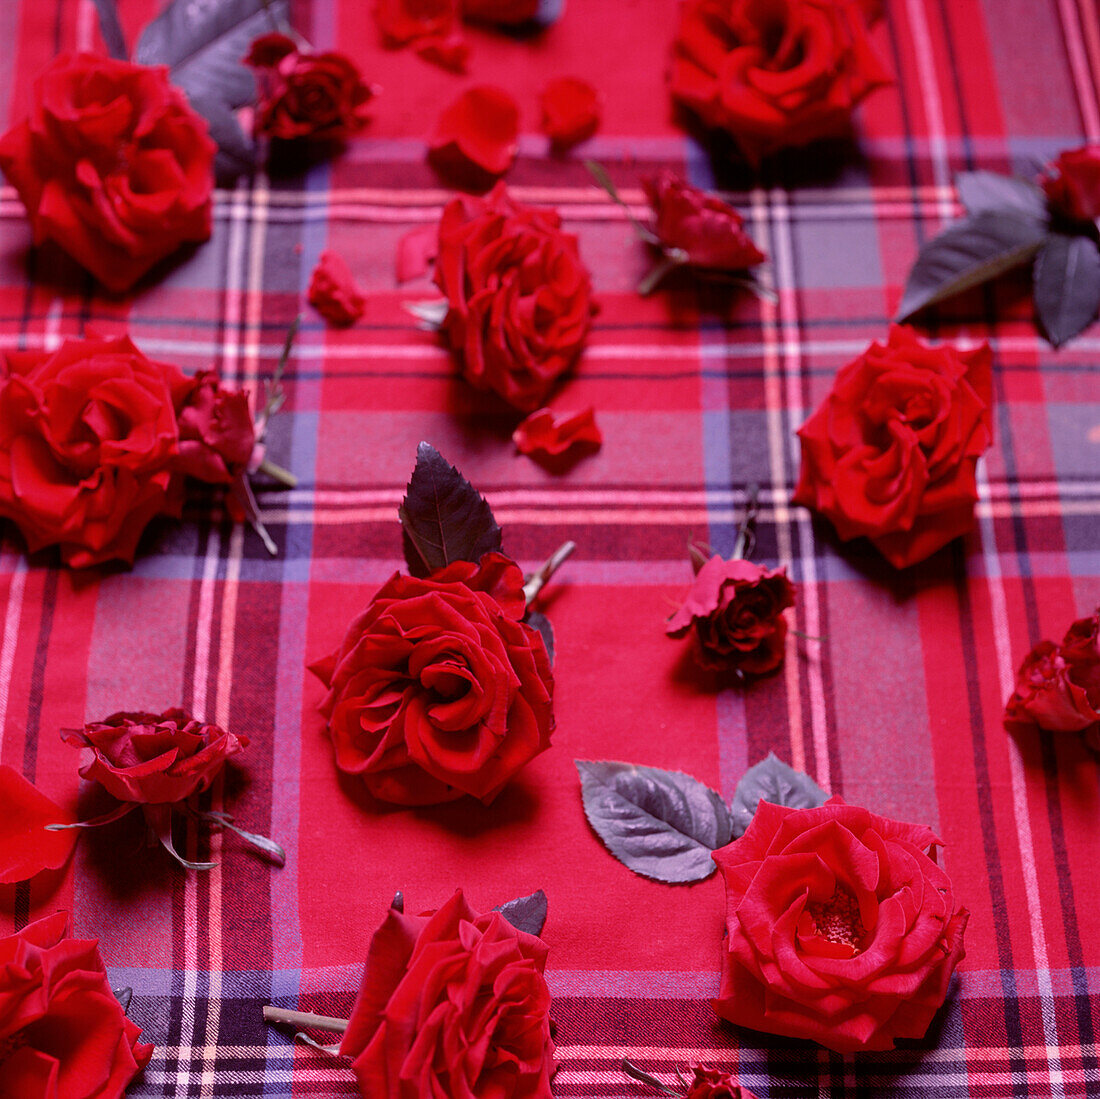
x=444, y=517
x=988, y=192
x=526, y=913
x=772, y=780
x=661, y=824
x=541, y=623
x=124, y=996
x=968, y=253
x=1067, y=285
x=203, y=43
x=110, y=29
x=236, y=150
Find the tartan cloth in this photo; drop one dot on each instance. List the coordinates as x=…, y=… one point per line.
x=893, y=700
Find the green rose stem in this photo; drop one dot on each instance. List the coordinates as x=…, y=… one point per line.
x=535, y=581
x=304, y=1018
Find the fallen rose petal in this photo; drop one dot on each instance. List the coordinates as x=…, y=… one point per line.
x=416, y=252
x=26, y=848
x=405, y=21
x=546, y=434
x=571, y=111
x=333, y=291
x=477, y=133
x=450, y=52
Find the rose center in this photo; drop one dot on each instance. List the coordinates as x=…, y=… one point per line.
x=838, y=919
x=11, y=1043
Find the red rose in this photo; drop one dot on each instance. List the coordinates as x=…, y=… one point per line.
x=699, y=228
x=735, y=612
x=1072, y=183
x=112, y=165
x=892, y=450
x=1058, y=686
x=153, y=759
x=63, y=1034
x=707, y=1083
x=452, y=1004
x=841, y=928
x=87, y=440
x=318, y=95
x=333, y=291
x=519, y=297
x=774, y=73
x=217, y=433
x=438, y=689
x=571, y=110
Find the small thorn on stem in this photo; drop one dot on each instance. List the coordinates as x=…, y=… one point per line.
x=534, y=583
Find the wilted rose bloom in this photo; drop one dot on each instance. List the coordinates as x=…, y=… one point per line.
x=1072, y=183
x=152, y=758
x=314, y=95
x=699, y=228
x=1058, y=686
x=734, y=611
x=217, y=432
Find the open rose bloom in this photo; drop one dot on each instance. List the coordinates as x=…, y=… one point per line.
x=63, y=1034
x=453, y=1003
x=519, y=298
x=841, y=927
x=892, y=452
x=438, y=688
x=112, y=165
x=1072, y=183
x=774, y=73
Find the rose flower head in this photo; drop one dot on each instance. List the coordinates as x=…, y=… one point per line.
x=312, y=95
x=452, y=1003
x=697, y=228
x=63, y=1034
x=1072, y=183
x=841, y=927
x=891, y=452
x=112, y=165
x=1058, y=686
x=774, y=73
x=708, y=1083
x=519, y=298
x=217, y=432
x=438, y=689
x=734, y=612
x=88, y=439
x=152, y=758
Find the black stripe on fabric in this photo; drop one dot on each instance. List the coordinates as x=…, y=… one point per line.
x=984, y=797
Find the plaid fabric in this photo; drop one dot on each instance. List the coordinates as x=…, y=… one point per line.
x=698, y=391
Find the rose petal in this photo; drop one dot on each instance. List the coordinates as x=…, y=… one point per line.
x=549, y=435
x=26, y=848
x=333, y=291
x=571, y=110
x=478, y=131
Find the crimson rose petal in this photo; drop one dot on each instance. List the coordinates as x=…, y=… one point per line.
x=477, y=132
x=571, y=110
x=333, y=291
x=26, y=847
x=548, y=435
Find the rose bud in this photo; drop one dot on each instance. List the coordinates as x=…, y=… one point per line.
x=438, y=688
x=1072, y=183
x=452, y=1003
x=519, y=298
x=310, y=95
x=63, y=1034
x=840, y=927
x=217, y=432
x=88, y=441
x=112, y=165
x=697, y=228
x=774, y=75
x=735, y=614
x=891, y=453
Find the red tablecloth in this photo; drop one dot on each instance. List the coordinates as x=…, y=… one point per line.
x=893, y=700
